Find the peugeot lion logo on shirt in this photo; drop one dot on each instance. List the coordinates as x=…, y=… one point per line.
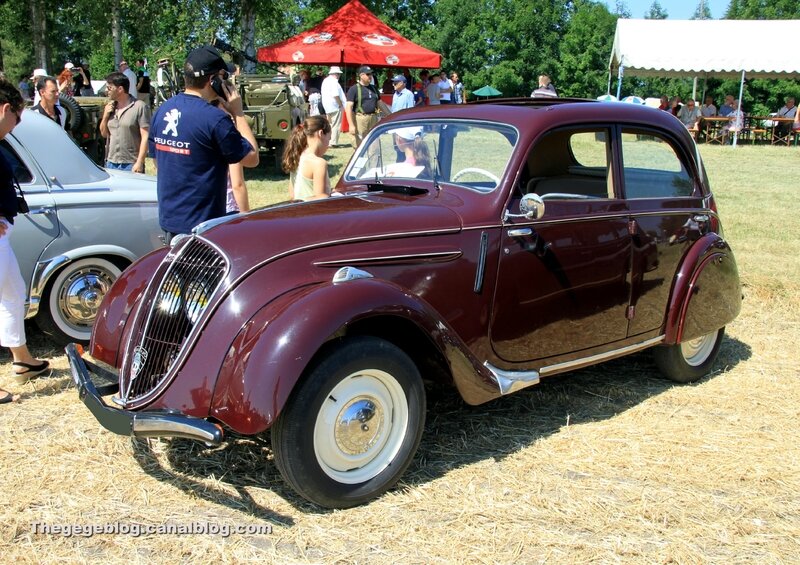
x=171, y=145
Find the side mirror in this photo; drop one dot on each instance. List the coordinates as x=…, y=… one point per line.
x=531, y=206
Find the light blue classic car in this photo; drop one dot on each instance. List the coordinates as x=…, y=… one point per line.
x=86, y=224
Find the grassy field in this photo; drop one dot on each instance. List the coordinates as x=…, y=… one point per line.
x=612, y=464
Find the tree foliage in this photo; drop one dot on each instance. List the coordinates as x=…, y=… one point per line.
x=656, y=12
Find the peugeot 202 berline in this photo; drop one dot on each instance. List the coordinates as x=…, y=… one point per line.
x=482, y=246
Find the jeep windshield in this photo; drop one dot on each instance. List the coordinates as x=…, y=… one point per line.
x=471, y=154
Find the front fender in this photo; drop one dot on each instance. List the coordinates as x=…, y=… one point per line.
x=707, y=294
x=273, y=349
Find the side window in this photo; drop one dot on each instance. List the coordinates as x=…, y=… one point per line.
x=571, y=164
x=21, y=172
x=652, y=169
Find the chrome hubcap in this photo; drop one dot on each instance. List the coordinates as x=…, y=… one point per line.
x=360, y=424
x=80, y=295
x=697, y=351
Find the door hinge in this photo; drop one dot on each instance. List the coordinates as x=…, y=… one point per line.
x=631, y=312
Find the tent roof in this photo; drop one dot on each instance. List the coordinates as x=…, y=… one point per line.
x=352, y=35
x=707, y=48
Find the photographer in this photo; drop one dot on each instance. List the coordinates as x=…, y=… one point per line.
x=193, y=143
x=81, y=81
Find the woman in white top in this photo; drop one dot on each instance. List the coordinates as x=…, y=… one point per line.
x=302, y=159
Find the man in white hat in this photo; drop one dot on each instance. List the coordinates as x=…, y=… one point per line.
x=333, y=102
x=37, y=74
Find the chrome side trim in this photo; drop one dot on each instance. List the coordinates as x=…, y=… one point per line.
x=512, y=381
x=481, y=270
x=346, y=274
x=175, y=425
x=592, y=359
x=436, y=256
x=41, y=275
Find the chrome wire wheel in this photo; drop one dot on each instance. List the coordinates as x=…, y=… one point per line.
x=361, y=426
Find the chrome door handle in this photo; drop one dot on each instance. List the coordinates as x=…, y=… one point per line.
x=47, y=210
x=519, y=232
x=700, y=218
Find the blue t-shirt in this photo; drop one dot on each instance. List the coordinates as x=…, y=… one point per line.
x=193, y=143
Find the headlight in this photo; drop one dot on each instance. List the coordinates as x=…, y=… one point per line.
x=169, y=296
x=196, y=295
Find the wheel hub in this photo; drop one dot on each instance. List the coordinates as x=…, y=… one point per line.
x=359, y=426
x=82, y=296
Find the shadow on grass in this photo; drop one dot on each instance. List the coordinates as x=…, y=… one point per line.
x=456, y=435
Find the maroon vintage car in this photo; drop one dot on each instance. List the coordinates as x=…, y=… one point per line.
x=484, y=246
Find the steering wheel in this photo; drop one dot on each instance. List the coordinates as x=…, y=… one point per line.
x=483, y=172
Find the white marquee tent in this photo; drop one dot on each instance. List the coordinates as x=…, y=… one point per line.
x=706, y=48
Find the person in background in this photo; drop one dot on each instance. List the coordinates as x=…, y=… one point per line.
x=126, y=70
x=302, y=84
x=80, y=80
x=25, y=87
x=12, y=286
x=689, y=115
x=789, y=110
x=314, y=98
x=303, y=159
x=416, y=158
x=708, y=110
x=193, y=144
x=142, y=82
x=64, y=80
x=726, y=109
x=333, y=101
x=432, y=91
x=125, y=124
x=424, y=79
x=403, y=98
x=664, y=103
x=445, y=89
x=458, y=89
x=545, y=88
x=37, y=74
x=363, y=103
x=47, y=89
x=387, y=86
x=675, y=105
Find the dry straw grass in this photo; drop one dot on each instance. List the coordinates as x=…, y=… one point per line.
x=611, y=464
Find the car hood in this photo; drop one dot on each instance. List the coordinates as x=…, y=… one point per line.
x=286, y=228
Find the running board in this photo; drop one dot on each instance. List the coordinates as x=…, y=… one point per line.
x=512, y=381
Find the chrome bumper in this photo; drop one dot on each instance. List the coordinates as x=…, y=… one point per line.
x=130, y=423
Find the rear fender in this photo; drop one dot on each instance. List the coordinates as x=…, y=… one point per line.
x=707, y=294
x=272, y=350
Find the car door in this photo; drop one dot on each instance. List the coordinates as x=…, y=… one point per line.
x=34, y=231
x=664, y=196
x=564, y=279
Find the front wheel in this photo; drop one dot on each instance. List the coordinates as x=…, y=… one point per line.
x=71, y=301
x=352, y=426
x=689, y=361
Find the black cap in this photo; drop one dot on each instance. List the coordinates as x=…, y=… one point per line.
x=206, y=60
x=365, y=69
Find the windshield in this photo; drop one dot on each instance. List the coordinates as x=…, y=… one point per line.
x=471, y=154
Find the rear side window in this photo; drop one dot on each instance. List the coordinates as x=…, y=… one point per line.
x=652, y=168
x=21, y=172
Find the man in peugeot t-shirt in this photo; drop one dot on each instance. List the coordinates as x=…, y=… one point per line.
x=193, y=142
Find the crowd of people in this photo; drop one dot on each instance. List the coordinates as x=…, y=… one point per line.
x=694, y=117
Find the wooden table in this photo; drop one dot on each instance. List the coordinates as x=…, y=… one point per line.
x=776, y=137
x=712, y=128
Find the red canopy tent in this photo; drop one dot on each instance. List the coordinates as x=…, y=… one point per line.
x=351, y=36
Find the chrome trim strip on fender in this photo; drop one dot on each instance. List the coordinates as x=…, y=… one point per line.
x=512, y=381
x=592, y=359
x=480, y=271
x=346, y=274
x=436, y=256
x=41, y=275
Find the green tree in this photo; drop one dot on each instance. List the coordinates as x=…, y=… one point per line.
x=585, y=50
x=702, y=12
x=656, y=12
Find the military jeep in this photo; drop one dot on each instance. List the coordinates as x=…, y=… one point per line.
x=83, y=122
x=273, y=107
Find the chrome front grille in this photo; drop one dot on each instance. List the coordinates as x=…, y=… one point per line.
x=185, y=286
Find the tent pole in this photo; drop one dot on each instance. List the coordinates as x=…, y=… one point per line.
x=694, y=89
x=620, y=74
x=739, y=109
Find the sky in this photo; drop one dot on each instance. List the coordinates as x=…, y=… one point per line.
x=677, y=9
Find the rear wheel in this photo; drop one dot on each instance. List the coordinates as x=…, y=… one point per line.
x=352, y=425
x=691, y=360
x=70, y=304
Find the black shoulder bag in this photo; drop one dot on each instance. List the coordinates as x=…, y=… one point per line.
x=22, y=205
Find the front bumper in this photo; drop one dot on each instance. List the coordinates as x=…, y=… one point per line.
x=130, y=423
